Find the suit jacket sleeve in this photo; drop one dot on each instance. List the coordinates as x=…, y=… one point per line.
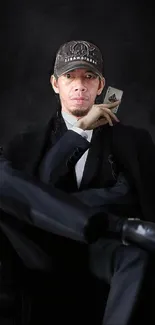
x=63, y=156
x=24, y=152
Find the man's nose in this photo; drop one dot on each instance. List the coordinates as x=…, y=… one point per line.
x=79, y=86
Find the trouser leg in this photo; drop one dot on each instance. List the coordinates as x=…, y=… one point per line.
x=123, y=267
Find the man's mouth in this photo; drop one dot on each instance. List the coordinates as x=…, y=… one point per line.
x=79, y=98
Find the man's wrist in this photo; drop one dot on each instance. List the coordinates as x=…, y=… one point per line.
x=80, y=124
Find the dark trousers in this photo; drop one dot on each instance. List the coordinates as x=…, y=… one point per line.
x=123, y=267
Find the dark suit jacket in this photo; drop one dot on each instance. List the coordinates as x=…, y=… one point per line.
x=133, y=151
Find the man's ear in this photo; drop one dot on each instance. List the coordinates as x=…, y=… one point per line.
x=101, y=86
x=54, y=83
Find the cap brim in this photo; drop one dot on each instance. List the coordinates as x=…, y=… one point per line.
x=77, y=65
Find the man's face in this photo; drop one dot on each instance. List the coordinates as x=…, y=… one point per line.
x=77, y=90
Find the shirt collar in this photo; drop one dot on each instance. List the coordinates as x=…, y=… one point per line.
x=69, y=118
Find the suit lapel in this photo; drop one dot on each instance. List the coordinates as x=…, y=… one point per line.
x=51, y=134
x=69, y=182
x=92, y=162
x=57, y=130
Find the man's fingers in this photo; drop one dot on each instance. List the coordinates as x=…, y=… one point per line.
x=109, y=112
x=100, y=122
x=99, y=115
x=108, y=118
x=111, y=105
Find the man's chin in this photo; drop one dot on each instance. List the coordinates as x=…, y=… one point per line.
x=79, y=112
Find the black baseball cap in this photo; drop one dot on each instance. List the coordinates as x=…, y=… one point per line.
x=78, y=54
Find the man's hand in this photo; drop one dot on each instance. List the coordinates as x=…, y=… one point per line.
x=99, y=114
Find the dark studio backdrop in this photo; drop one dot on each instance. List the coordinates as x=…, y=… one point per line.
x=31, y=33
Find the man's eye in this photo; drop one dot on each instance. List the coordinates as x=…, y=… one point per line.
x=90, y=76
x=68, y=75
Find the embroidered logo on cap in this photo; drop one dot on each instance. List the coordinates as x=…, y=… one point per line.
x=81, y=51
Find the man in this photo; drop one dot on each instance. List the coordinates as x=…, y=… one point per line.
x=115, y=160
